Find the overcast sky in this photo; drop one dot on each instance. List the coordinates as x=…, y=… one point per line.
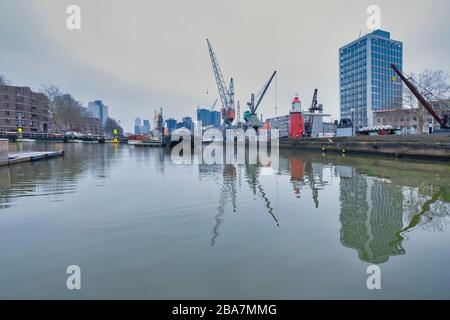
x=139, y=55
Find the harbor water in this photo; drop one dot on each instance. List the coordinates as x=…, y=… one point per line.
x=140, y=226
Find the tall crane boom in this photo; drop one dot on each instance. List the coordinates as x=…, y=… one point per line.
x=263, y=93
x=443, y=122
x=250, y=117
x=314, y=102
x=226, y=93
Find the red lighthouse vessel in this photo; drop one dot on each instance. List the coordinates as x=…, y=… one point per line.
x=296, y=120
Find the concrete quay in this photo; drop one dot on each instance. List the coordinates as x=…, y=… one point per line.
x=415, y=146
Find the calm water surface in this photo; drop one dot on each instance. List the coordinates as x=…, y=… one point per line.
x=140, y=226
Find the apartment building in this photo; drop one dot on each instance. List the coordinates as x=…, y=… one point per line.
x=20, y=107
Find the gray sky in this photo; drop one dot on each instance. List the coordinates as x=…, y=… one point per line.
x=139, y=55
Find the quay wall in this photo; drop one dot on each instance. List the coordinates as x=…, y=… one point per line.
x=417, y=146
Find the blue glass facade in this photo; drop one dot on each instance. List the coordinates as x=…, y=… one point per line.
x=208, y=117
x=146, y=127
x=171, y=125
x=187, y=123
x=367, y=83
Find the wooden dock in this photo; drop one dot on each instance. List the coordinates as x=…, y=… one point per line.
x=21, y=157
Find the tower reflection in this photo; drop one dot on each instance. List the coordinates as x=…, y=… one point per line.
x=371, y=216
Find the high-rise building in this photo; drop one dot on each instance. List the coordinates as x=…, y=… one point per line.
x=146, y=127
x=171, y=125
x=367, y=83
x=98, y=110
x=20, y=107
x=215, y=118
x=137, y=126
x=187, y=123
x=208, y=117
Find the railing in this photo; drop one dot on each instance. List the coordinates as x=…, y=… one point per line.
x=35, y=136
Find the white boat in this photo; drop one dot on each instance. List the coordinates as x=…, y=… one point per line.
x=134, y=142
x=25, y=140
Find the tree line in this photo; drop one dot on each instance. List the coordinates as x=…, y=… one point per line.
x=68, y=114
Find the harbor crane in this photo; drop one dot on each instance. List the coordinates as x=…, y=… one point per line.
x=250, y=117
x=226, y=93
x=315, y=106
x=443, y=121
x=213, y=105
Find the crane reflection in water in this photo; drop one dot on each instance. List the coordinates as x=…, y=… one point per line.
x=302, y=174
x=378, y=206
x=228, y=193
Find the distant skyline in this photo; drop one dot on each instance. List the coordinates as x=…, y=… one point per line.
x=137, y=56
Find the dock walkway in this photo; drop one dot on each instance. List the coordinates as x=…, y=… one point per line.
x=20, y=157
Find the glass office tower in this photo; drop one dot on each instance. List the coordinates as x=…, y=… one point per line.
x=367, y=83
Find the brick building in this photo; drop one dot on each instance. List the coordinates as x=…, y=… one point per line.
x=90, y=125
x=405, y=119
x=20, y=107
x=412, y=121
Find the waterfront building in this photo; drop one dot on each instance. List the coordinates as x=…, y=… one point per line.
x=412, y=120
x=187, y=123
x=137, y=126
x=405, y=119
x=209, y=118
x=98, y=110
x=146, y=127
x=367, y=83
x=281, y=123
x=91, y=125
x=20, y=107
x=216, y=118
x=329, y=129
x=171, y=125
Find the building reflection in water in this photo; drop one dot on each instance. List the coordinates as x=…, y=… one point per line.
x=380, y=201
x=377, y=209
x=371, y=216
x=307, y=173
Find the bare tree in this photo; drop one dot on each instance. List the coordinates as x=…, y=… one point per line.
x=433, y=85
x=65, y=111
x=52, y=92
x=68, y=112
